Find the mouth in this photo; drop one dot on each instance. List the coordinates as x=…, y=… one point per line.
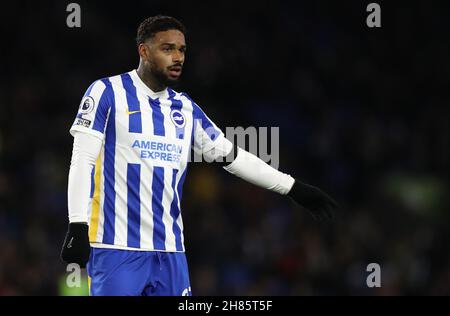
x=175, y=71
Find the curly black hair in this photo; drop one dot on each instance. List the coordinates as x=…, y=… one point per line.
x=159, y=23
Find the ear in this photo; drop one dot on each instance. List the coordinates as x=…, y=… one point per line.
x=143, y=51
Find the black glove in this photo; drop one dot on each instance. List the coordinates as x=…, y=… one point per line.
x=76, y=248
x=318, y=203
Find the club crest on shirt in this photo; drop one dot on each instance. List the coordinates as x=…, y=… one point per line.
x=87, y=105
x=177, y=118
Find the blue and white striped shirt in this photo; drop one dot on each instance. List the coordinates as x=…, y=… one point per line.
x=138, y=177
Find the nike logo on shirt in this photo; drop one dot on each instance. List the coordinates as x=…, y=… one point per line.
x=132, y=112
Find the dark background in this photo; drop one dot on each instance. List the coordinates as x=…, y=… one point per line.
x=363, y=113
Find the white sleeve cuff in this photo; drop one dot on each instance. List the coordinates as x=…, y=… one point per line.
x=81, y=129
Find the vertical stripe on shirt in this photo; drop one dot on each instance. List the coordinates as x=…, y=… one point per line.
x=159, y=233
x=133, y=205
x=175, y=212
x=176, y=105
x=157, y=117
x=109, y=175
x=134, y=109
x=94, y=222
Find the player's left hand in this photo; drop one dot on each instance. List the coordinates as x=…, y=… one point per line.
x=318, y=203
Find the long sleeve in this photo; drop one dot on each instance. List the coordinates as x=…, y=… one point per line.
x=211, y=143
x=86, y=148
x=252, y=169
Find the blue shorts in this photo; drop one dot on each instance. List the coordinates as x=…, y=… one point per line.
x=114, y=272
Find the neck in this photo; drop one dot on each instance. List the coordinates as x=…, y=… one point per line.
x=149, y=80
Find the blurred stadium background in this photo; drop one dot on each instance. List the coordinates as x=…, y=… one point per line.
x=363, y=113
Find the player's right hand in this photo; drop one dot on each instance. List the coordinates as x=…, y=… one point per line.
x=76, y=248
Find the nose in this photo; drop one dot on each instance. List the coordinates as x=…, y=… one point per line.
x=178, y=56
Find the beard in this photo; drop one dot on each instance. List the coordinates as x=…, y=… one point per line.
x=162, y=77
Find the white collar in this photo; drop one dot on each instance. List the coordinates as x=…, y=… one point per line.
x=138, y=81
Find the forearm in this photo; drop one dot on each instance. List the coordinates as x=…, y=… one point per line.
x=252, y=169
x=86, y=149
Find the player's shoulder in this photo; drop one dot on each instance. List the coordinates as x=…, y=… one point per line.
x=186, y=97
x=99, y=84
x=102, y=87
x=109, y=81
x=171, y=93
x=195, y=108
x=182, y=96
